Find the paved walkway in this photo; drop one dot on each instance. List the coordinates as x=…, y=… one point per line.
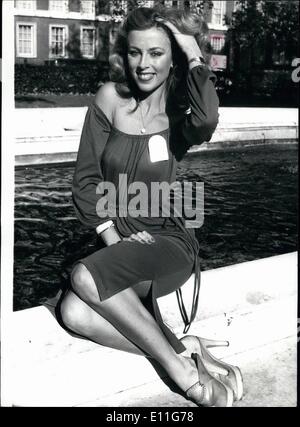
x=269, y=381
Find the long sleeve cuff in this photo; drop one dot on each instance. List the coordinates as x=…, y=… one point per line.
x=103, y=227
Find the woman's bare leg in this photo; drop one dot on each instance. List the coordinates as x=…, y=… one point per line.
x=82, y=319
x=126, y=312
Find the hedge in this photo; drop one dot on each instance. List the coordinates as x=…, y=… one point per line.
x=82, y=78
x=263, y=87
x=273, y=87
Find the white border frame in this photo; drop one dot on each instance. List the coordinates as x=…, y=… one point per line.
x=34, y=40
x=7, y=200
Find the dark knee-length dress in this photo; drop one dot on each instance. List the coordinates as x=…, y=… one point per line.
x=108, y=155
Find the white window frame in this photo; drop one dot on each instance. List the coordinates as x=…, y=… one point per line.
x=65, y=54
x=92, y=2
x=222, y=3
x=33, y=53
x=65, y=9
x=32, y=3
x=87, y=27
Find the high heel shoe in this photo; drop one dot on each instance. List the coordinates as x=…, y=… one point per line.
x=209, y=391
x=234, y=379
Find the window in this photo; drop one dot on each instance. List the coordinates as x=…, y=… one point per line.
x=217, y=41
x=87, y=7
x=58, y=40
x=58, y=5
x=26, y=4
x=87, y=42
x=218, y=12
x=26, y=40
x=148, y=3
x=170, y=3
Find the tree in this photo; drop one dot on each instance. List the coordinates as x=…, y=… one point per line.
x=281, y=23
x=117, y=9
x=201, y=7
x=259, y=28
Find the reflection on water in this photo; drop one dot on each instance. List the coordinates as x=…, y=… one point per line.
x=250, y=213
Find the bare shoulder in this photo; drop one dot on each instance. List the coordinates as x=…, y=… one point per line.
x=107, y=99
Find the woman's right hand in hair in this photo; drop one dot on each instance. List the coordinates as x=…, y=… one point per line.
x=186, y=42
x=142, y=237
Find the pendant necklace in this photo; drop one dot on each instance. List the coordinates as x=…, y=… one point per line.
x=143, y=130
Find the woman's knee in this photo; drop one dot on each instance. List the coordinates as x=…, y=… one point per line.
x=73, y=315
x=83, y=284
x=68, y=313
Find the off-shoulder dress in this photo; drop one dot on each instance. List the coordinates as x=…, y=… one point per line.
x=105, y=152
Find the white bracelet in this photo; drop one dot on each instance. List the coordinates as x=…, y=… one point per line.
x=104, y=226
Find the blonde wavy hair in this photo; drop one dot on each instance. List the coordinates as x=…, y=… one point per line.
x=144, y=18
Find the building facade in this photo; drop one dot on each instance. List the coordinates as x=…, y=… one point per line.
x=49, y=30
x=62, y=30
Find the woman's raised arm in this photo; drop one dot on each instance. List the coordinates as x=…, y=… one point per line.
x=199, y=124
x=202, y=118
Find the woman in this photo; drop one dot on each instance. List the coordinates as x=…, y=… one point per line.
x=158, y=73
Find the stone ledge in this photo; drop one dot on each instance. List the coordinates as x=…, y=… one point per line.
x=63, y=148
x=51, y=368
x=53, y=132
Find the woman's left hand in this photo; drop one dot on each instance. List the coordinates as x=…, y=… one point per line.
x=142, y=237
x=187, y=43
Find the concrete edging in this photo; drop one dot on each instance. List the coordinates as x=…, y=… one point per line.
x=66, y=371
x=49, y=135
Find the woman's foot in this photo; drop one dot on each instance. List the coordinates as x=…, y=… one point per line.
x=183, y=372
x=231, y=377
x=208, y=391
x=199, y=385
x=193, y=346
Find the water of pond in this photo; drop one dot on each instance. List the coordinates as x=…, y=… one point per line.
x=250, y=213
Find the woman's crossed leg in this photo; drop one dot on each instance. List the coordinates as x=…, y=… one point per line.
x=122, y=322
